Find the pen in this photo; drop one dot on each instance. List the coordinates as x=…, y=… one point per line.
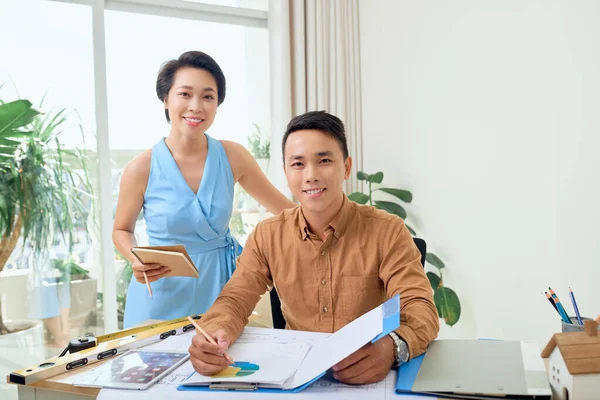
x=208, y=337
x=575, y=306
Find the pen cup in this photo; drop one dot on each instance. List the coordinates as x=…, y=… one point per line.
x=574, y=326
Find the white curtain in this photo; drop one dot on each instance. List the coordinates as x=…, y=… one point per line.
x=315, y=65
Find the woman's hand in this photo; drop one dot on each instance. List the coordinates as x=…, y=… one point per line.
x=154, y=272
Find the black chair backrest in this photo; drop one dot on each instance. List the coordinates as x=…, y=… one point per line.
x=422, y=246
x=279, y=321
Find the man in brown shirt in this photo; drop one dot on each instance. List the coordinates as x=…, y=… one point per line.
x=330, y=259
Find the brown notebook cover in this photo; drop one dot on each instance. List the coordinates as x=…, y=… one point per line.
x=174, y=257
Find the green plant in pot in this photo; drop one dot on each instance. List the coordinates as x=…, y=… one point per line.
x=446, y=300
x=69, y=270
x=42, y=194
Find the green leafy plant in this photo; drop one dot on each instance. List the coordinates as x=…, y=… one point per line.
x=446, y=300
x=69, y=270
x=43, y=197
x=259, y=145
x=237, y=225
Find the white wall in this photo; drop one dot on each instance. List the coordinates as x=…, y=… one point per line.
x=489, y=111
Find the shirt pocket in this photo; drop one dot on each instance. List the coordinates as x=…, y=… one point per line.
x=360, y=294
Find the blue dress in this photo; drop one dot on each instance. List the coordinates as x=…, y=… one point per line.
x=174, y=214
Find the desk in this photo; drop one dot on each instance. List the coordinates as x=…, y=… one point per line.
x=48, y=390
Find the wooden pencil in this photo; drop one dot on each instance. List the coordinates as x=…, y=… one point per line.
x=148, y=284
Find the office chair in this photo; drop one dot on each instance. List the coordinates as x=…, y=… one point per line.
x=279, y=321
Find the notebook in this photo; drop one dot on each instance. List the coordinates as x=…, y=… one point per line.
x=477, y=369
x=174, y=257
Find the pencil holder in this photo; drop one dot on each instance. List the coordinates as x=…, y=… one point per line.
x=574, y=326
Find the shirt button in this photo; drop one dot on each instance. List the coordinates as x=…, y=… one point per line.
x=324, y=309
x=323, y=252
x=323, y=281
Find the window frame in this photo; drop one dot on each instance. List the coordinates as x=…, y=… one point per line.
x=165, y=8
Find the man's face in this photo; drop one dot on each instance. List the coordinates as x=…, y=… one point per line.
x=315, y=170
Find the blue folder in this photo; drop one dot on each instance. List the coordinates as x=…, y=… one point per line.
x=473, y=369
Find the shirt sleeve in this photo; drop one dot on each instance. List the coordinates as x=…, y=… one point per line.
x=402, y=273
x=251, y=279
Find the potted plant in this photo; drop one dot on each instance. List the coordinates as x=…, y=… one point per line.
x=259, y=146
x=446, y=300
x=42, y=195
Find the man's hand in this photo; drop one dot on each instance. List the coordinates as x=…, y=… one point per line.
x=369, y=364
x=154, y=272
x=208, y=358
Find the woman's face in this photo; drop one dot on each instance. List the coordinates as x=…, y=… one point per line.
x=192, y=101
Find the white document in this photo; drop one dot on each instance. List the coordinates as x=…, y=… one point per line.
x=325, y=353
x=269, y=363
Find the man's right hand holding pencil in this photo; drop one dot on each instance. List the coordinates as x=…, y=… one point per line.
x=208, y=351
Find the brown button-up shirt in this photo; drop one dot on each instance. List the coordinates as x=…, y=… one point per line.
x=367, y=257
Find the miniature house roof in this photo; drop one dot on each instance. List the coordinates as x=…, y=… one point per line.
x=580, y=350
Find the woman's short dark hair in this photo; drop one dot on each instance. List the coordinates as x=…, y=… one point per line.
x=319, y=120
x=194, y=59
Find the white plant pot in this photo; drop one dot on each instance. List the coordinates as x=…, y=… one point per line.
x=23, y=348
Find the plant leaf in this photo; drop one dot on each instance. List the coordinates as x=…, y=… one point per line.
x=435, y=261
x=361, y=176
x=403, y=195
x=375, y=178
x=392, y=208
x=434, y=280
x=14, y=115
x=358, y=197
x=447, y=304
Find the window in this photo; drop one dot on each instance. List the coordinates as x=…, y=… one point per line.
x=50, y=54
x=47, y=59
x=262, y=5
x=133, y=60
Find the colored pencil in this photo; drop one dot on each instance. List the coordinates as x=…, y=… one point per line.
x=561, y=309
x=572, y=296
x=208, y=337
x=551, y=301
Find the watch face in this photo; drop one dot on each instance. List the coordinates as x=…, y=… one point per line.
x=403, y=351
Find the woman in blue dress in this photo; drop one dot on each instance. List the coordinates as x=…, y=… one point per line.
x=184, y=185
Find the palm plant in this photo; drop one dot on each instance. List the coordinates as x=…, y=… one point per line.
x=41, y=193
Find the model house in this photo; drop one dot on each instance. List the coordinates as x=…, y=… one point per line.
x=574, y=364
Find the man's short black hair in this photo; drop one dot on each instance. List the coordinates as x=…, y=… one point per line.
x=194, y=59
x=319, y=120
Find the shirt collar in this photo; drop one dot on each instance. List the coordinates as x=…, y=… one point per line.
x=338, y=224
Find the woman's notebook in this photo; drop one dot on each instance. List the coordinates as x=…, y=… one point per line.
x=174, y=257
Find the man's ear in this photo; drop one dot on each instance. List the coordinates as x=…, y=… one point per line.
x=347, y=167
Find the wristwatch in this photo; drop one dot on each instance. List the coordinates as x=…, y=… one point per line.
x=400, y=350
